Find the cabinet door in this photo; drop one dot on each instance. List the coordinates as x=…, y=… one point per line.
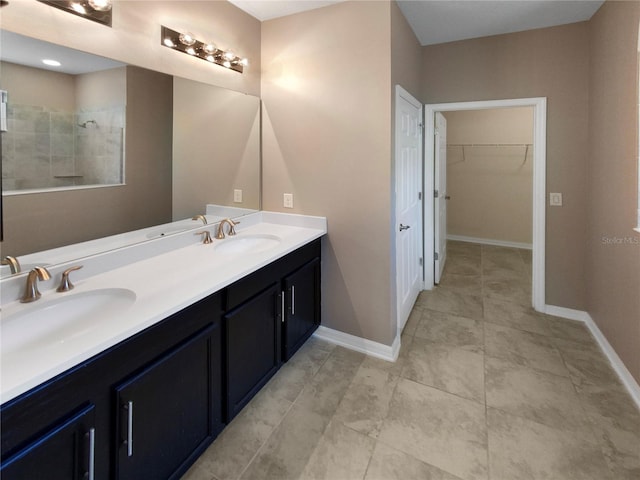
x=166, y=413
x=65, y=452
x=253, y=347
x=302, y=306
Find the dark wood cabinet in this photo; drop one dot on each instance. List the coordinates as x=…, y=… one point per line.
x=65, y=452
x=149, y=406
x=252, y=347
x=302, y=312
x=164, y=413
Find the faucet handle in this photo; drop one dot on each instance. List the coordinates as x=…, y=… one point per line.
x=232, y=229
x=65, y=283
x=207, y=236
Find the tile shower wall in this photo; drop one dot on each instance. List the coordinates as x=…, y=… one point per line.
x=45, y=148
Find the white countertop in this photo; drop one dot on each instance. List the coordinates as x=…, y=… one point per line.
x=163, y=284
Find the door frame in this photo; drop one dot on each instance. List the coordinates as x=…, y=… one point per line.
x=539, y=105
x=400, y=92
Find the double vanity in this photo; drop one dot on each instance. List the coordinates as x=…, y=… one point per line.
x=134, y=372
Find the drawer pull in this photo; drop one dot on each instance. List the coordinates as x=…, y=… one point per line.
x=129, y=408
x=293, y=300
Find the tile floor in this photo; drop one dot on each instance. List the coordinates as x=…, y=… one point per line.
x=485, y=388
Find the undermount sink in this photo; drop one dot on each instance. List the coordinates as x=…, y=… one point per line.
x=53, y=322
x=248, y=244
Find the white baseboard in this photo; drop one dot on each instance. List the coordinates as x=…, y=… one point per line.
x=359, y=344
x=488, y=241
x=618, y=366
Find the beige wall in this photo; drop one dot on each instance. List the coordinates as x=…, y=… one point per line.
x=326, y=138
x=613, y=248
x=34, y=86
x=41, y=221
x=490, y=187
x=216, y=148
x=107, y=88
x=552, y=63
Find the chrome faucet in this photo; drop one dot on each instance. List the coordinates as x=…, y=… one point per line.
x=232, y=230
x=200, y=217
x=13, y=263
x=32, y=294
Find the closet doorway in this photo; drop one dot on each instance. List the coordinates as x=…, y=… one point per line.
x=464, y=147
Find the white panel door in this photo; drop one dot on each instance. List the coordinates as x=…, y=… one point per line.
x=408, y=200
x=440, y=196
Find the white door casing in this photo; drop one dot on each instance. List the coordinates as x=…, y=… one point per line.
x=440, y=196
x=539, y=105
x=408, y=203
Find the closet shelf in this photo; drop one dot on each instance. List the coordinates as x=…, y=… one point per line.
x=463, y=145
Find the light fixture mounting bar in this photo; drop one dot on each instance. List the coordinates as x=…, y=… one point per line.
x=83, y=8
x=171, y=39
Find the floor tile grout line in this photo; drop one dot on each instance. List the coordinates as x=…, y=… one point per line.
x=275, y=428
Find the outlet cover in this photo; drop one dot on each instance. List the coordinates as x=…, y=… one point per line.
x=555, y=199
x=237, y=196
x=288, y=200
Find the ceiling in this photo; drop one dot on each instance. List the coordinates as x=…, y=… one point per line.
x=440, y=21
x=27, y=51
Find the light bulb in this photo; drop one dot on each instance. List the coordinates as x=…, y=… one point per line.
x=227, y=63
x=169, y=43
x=209, y=48
x=187, y=38
x=100, y=5
x=210, y=58
x=79, y=8
x=191, y=50
x=244, y=62
x=229, y=55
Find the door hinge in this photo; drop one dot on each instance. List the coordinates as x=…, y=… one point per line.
x=419, y=195
x=420, y=261
x=435, y=256
x=435, y=194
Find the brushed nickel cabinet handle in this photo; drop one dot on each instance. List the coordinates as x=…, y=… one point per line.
x=129, y=407
x=293, y=300
x=92, y=454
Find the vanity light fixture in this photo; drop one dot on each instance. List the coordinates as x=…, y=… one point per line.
x=51, y=63
x=96, y=10
x=187, y=43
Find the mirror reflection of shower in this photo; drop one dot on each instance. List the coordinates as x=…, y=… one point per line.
x=88, y=123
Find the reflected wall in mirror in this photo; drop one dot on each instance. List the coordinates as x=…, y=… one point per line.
x=218, y=156
x=216, y=148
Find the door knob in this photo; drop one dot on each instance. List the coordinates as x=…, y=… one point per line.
x=447, y=197
x=404, y=227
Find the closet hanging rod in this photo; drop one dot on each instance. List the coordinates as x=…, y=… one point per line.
x=489, y=144
x=463, y=145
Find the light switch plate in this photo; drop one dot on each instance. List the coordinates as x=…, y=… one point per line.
x=237, y=196
x=288, y=200
x=555, y=199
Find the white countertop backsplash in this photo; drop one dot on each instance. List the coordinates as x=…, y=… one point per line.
x=167, y=274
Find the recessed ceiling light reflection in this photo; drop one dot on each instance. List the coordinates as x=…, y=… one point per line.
x=51, y=63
